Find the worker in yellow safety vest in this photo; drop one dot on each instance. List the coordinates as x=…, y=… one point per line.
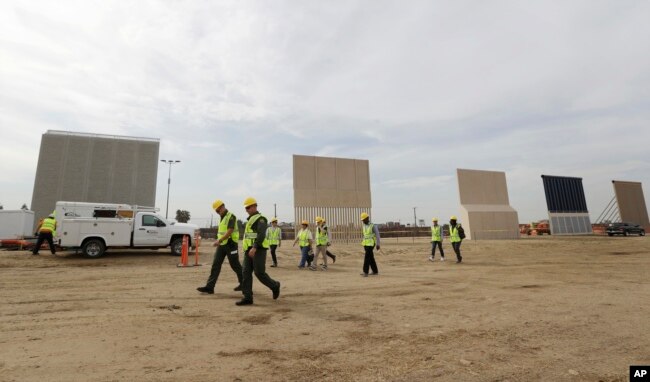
x=456, y=235
x=227, y=246
x=274, y=235
x=322, y=242
x=370, y=241
x=305, y=240
x=255, y=246
x=436, y=240
x=46, y=230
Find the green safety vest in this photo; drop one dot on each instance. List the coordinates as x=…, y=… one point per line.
x=321, y=235
x=250, y=236
x=49, y=225
x=223, y=228
x=273, y=235
x=303, y=238
x=453, y=235
x=436, y=233
x=369, y=238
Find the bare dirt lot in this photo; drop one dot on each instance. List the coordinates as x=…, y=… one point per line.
x=551, y=309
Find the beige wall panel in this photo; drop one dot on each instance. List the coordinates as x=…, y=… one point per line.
x=327, y=198
x=326, y=173
x=485, y=210
x=304, y=172
x=335, y=188
x=364, y=199
x=631, y=202
x=363, y=175
x=346, y=174
x=482, y=187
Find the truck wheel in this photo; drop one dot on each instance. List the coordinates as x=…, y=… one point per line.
x=624, y=233
x=642, y=233
x=93, y=248
x=610, y=234
x=177, y=246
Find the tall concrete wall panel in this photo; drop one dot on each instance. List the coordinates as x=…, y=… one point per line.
x=631, y=202
x=485, y=206
x=337, y=189
x=567, y=206
x=94, y=168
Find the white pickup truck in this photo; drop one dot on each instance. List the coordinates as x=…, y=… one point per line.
x=94, y=227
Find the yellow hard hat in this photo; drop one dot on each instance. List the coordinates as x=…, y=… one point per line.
x=305, y=222
x=453, y=217
x=249, y=201
x=216, y=204
x=364, y=216
x=274, y=220
x=434, y=219
x=319, y=219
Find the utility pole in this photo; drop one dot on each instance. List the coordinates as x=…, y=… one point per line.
x=415, y=223
x=169, y=181
x=275, y=210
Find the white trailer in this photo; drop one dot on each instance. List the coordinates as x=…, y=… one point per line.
x=94, y=227
x=16, y=224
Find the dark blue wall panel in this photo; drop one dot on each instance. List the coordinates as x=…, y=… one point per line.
x=564, y=194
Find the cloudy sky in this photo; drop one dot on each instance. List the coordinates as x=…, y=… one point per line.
x=420, y=88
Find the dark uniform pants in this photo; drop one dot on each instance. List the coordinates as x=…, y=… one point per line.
x=275, y=259
x=456, y=247
x=438, y=244
x=369, y=260
x=44, y=236
x=256, y=265
x=228, y=250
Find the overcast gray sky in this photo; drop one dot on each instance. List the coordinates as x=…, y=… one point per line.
x=233, y=88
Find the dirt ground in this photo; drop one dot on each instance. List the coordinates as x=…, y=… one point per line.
x=540, y=308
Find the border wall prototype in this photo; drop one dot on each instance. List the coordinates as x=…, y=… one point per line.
x=337, y=189
x=567, y=206
x=631, y=202
x=80, y=167
x=485, y=206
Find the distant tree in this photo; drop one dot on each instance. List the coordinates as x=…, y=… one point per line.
x=24, y=207
x=182, y=216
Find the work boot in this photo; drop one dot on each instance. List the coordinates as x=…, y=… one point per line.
x=244, y=301
x=276, y=292
x=364, y=274
x=205, y=290
x=274, y=265
x=237, y=288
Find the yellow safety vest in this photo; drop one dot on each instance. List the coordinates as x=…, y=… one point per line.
x=273, y=235
x=303, y=238
x=436, y=233
x=49, y=225
x=223, y=228
x=321, y=235
x=369, y=238
x=453, y=235
x=250, y=236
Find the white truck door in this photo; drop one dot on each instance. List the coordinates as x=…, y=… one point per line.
x=149, y=231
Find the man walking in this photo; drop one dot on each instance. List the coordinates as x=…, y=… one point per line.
x=227, y=242
x=255, y=246
x=322, y=242
x=305, y=241
x=436, y=240
x=46, y=231
x=274, y=234
x=456, y=235
x=328, y=253
x=370, y=240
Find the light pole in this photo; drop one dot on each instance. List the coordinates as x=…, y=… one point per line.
x=170, y=162
x=415, y=224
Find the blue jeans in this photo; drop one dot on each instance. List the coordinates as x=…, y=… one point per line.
x=304, y=252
